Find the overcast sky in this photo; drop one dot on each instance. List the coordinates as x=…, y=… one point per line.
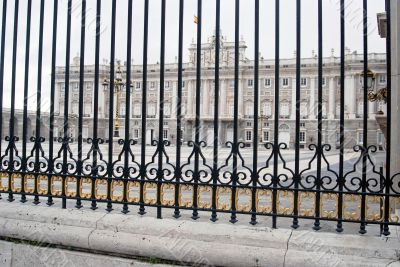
x=331, y=30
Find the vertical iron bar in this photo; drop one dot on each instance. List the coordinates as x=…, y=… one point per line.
x=215, y=172
x=161, y=147
x=3, y=40
x=235, y=146
x=255, y=175
x=365, y=119
x=96, y=140
x=276, y=115
x=196, y=173
x=341, y=182
x=26, y=89
x=111, y=107
x=297, y=138
x=52, y=99
x=39, y=103
x=319, y=145
x=12, y=139
x=66, y=104
x=128, y=87
x=81, y=92
x=144, y=111
x=178, y=173
x=388, y=181
x=12, y=113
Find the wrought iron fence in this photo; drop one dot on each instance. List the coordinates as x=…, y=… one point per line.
x=193, y=182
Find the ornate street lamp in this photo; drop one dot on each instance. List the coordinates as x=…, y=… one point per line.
x=119, y=85
x=373, y=94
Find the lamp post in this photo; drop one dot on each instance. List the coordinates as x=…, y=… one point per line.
x=119, y=85
x=374, y=94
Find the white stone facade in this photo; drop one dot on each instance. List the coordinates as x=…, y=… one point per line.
x=309, y=97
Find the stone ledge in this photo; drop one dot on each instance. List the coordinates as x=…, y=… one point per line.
x=201, y=243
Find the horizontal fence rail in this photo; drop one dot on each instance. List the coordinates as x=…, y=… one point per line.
x=121, y=152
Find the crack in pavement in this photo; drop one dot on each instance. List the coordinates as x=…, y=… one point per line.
x=91, y=232
x=287, y=248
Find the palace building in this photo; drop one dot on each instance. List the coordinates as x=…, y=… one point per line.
x=287, y=105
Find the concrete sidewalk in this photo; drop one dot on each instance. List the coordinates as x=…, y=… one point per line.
x=182, y=242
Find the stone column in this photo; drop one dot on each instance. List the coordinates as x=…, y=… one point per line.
x=350, y=97
x=332, y=105
x=371, y=110
x=189, y=98
x=222, y=99
x=313, y=106
x=293, y=109
x=173, y=107
x=205, y=99
x=242, y=84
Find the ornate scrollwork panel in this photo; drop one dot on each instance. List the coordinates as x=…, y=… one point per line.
x=307, y=202
x=264, y=200
x=351, y=207
x=243, y=200
x=16, y=183
x=224, y=198
x=285, y=202
x=70, y=186
x=101, y=189
x=117, y=190
x=150, y=193
x=29, y=184
x=204, y=195
x=329, y=205
x=375, y=208
x=186, y=196
x=56, y=185
x=133, y=192
x=4, y=181
x=394, y=215
x=42, y=184
x=85, y=187
x=168, y=195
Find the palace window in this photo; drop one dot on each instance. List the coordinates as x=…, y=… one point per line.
x=62, y=87
x=284, y=109
x=360, y=138
x=137, y=109
x=267, y=83
x=183, y=84
x=248, y=135
x=167, y=109
x=248, y=124
x=304, y=109
x=151, y=109
x=303, y=82
x=266, y=136
x=250, y=83
x=285, y=82
x=267, y=109
x=302, y=137
x=249, y=109
x=152, y=85
x=323, y=81
x=135, y=133
x=165, y=134
x=167, y=85
x=138, y=85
